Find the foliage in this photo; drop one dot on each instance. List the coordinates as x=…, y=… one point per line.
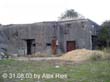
x=106, y=23
x=69, y=14
x=104, y=34
x=96, y=57
x=107, y=51
x=103, y=55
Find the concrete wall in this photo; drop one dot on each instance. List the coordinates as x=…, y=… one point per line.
x=43, y=33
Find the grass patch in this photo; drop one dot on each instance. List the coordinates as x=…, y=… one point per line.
x=96, y=71
x=6, y=61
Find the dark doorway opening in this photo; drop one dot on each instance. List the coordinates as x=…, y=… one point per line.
x=29, y=43
x=71, y=45
x=94, y=42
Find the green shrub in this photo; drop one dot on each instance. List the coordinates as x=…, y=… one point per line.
x=107, y=56
x=95, y=57
x=107, y=53
x=106, y=50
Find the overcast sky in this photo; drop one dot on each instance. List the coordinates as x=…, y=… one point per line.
x=30, y=11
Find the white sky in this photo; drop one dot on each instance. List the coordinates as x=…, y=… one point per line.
x=30, y=11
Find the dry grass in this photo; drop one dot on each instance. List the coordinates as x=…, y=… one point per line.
x=84, y=54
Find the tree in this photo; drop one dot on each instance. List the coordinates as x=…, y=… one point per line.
x=69, y=14
x=104, y=34
x=106, y=23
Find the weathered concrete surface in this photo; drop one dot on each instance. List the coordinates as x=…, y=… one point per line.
x=12, y=37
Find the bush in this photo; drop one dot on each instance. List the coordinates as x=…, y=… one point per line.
x=106, y=50
x=96, y=56
x=107, y=56
x=107, y=53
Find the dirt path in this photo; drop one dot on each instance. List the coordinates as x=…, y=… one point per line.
x=50, y=60
x=37, y=58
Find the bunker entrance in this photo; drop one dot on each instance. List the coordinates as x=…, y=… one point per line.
x=71, y=45
x=29, y=43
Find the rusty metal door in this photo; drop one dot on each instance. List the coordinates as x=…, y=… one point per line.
x=54, y=47
x=71, y=45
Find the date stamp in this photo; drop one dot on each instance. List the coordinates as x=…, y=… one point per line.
x=34, y=76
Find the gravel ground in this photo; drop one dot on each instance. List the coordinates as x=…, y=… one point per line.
x=37, y=58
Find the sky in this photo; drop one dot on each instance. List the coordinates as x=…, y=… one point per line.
x=31, y=11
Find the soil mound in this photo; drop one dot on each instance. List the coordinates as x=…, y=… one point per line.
x=80, y=54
